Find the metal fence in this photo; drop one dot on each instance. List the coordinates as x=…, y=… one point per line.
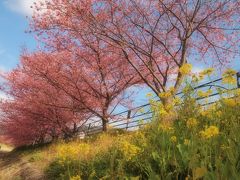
x=136, y=117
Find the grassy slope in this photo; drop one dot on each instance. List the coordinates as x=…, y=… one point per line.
x=30, y=163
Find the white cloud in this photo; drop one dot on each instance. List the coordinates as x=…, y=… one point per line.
x=21, y=6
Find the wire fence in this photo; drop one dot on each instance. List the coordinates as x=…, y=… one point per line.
x=136, y=117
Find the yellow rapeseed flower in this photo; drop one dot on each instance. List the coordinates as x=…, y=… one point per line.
x=129, y=150
x=229, y=80
x=163, y=112
x=185, y=69
x=209, y=132
x=212, y=107
x=149, y=94
x=229, y=77
x=166, y=127
x=177, y=101
x=208, y=112
x=195, y=78
x=66, y=151
x=203, y=112
x=237, y=92
x=207, y=71
x=201, y=76
x=204, y=94
x=191, y=122
x=75, y=178
x=173, y=139
x=186, y=142
x=171, y=89
x=219, y=113
x=169, y=107
x=230, y=102
x=165, y=95
x=230, y=72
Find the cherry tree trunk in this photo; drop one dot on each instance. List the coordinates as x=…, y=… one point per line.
x=104, y=124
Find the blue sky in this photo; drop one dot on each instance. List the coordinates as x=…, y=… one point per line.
x=12, y=33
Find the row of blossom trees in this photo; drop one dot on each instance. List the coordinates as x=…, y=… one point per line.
x=94, y=50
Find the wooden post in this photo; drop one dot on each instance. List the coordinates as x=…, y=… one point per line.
x=89, y=127
x=238, y=79
x=128, y=118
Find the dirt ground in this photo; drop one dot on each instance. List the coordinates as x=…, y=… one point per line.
x=14, y=167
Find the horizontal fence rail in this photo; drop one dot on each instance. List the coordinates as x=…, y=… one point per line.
x=136, y=117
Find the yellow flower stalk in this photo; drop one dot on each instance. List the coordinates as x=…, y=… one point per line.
x=165, y=95
x=237, y=92
x=75, y=178
x=173, y=139
x=177, y=101
x=204, y=94
x=186, y=142
x=191, y=122
x=166, y=127
x=207, y=72
x=195, y=78
x=201, y=76
x=163, y=112
x=230, y=102
x=229, y=80
x=185, y=69
x=219, y=113
x=171, y=89
x=229, y=72
x=229, y=77
x=129, y=150
x=209, y=132
x=70, y=151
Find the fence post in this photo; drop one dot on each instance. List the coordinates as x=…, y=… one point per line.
x=128, y=118
x=89, y=127
x=238, y=79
